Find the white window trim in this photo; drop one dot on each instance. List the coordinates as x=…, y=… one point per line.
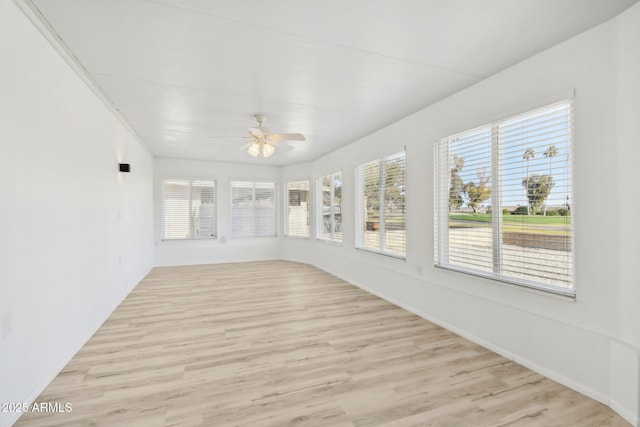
x=360, y=207
x=162, y=207
x=275, y=207
x=441, y=227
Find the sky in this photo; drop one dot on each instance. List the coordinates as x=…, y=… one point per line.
x=538, y=131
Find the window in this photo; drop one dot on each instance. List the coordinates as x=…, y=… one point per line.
x=189, y=209
x=503, y=200
x=380, y=207
x=330, y=213
x=253, y=209
x=298, y=209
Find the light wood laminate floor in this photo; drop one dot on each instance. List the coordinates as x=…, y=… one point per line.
x=277, y=344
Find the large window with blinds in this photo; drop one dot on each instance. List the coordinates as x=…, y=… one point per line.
x=330, y=207
x=504, y=200
x=297, y=209
x=253, y=209
x=189, y=209
x=380, y=206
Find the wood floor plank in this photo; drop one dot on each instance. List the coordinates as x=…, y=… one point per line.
x=277, y=343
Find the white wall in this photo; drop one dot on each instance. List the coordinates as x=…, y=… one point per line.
x=224, y=248
x=591, y=344
x=77, y=234
x=625, y=394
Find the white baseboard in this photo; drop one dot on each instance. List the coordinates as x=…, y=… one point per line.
x=625, y=413
x=213, y=262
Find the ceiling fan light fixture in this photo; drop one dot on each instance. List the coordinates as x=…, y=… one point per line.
x=268, y=150
x=263, y=142
x=254, y=149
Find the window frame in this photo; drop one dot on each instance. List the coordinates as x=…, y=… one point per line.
x=361, y=206
x=320, y=209
x=253, y=187
x=441, y=203
x=190, y=181
x=287, y=206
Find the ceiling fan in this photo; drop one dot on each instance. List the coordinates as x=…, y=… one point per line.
x=264, y=141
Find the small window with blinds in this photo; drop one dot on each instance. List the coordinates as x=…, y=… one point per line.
x=253, y=209
x=330, y=212
x=504, y=200
x=189, y=209
x=380, y=206
x=297, y=209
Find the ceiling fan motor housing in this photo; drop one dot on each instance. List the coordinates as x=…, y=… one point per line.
x=260, y=118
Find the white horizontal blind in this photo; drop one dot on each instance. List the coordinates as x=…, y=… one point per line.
x=394, y=204
x=368, y=206
x=298, y=209
x=380, y=206
x=253, y=209
x=468, y=172
x=325, y=219
x=504, y=200
x=189, y=209
x=329, y=224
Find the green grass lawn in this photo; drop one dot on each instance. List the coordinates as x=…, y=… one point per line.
x=514, y=219
x=531, y=224
x=389, y=219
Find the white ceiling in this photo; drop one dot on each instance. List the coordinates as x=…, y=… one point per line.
x=182, y=71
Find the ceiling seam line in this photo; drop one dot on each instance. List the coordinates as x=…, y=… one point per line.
x=410, y=61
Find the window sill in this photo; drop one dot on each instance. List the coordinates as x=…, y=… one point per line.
x=387, y=254
x=200, y=239
x=253, y=237
x=329, y=242
x=568, y=293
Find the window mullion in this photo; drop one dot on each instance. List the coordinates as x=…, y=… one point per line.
x=319, y=208
x=360, y=209
x=381, y=204
x=254, y=208
x=191, y=222
x=332, y=214
x=496, y=197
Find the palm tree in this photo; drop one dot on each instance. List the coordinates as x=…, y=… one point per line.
x=528, y=155
x=551, y=152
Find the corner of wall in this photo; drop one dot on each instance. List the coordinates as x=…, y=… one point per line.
x=624, y=386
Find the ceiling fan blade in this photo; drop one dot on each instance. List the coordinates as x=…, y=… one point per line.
x=287, y=137
x=256, y=133
x=228, y=137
